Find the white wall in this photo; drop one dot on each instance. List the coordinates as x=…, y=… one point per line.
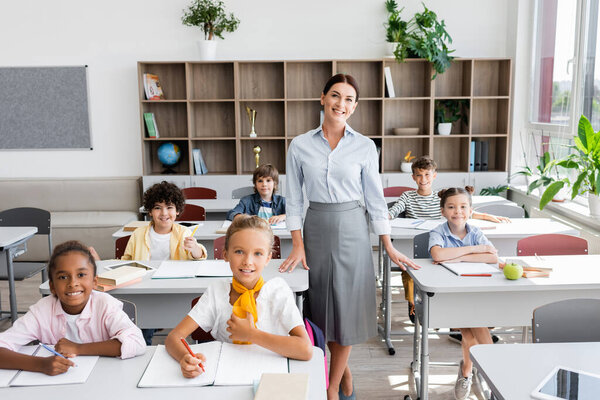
x=110, y=36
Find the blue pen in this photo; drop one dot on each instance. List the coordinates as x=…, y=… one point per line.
x=51, y=350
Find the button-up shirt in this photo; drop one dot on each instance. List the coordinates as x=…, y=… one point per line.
x=443, y=237
x=349, y=172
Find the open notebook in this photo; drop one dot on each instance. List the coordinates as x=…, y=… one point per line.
x=77, y=374
x=278, y=226
x=471, y=268
x=415, y=223
x=226, y=364
x=191, y=269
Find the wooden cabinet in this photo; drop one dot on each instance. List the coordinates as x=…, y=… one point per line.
x=205, y=108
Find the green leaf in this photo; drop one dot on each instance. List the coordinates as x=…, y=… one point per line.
x=585, y=133
x=550, y=192
x=577, y=185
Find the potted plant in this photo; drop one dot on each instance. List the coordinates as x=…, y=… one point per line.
x=540, y=178
x=406, y=165
x=422, y=36
x=449, y=111
x=584, y=160
x=493, y=190
x=211, y=18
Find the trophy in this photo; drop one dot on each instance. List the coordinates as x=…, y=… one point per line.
x=257, y=150
x=252, y=117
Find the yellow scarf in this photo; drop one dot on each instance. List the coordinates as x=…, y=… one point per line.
x=246, y=302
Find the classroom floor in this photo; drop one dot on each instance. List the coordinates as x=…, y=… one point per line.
x=377, y=375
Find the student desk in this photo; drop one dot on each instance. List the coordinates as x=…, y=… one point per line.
x=11, y=237
x=113, y=378
x=207, y=233
x=163, y=303
x=514, y=370
x=444, y=300
x=478, y=201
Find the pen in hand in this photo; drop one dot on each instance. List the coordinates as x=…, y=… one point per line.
x=56, y=353
x=187, y=346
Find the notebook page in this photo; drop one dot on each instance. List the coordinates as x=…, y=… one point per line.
x=213, y=268
x=78, y=374
x=243, y=364
x=164, y=371
x=408, y=223
x=6, y=375
x=471, y=268
x=279, y=225
x=176, y=269
x=430, y=224
x=540, y=263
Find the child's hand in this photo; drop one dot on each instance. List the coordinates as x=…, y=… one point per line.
x=67, y=348
x=241, y=329
x=485, y=248
x=498, y=218
x=190, y=366
x=55, y=365
x=94, y=253
x=190, y=244
x=276, y=219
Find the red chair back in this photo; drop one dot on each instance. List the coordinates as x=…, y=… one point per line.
x=120, y=246
x=219, y=246
x=199, y=193
x=395, y=191
x=552, y=245
x=200, y=335
x=192, y=213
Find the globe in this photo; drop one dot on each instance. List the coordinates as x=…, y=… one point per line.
x=169, y=154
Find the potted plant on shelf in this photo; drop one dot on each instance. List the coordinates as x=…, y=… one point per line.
x=422, y=36
x=406, y=165
x=211, y=18
x=449, y=111
x=584, y=160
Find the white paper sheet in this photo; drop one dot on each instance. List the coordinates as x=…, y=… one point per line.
x=279, y=225
x=540, y=263
x=6, y=375
x=243, y=364
x=78, y=374
x=412, y=223
x=215, y=268
x=164, y=371
x=471, y=268
x=192, y=269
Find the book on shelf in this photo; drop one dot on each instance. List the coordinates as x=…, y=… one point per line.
x=199, y=164
x=477, y=166
x=121, y=275
x=389, y=84
x=150, y=125
x=485, y=146
x=155, y=125
x=472, y=157
x=282, y=387
x=226, y=364
x=152, y=87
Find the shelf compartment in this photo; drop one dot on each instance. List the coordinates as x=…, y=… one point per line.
x=456, y=81
x=219, y=155
x=489, y=116
x=459, y=127
x=491, y=78
x=171, y=118
x=407, y=114
x=305, y=80
x=211, y=81
x=411, y=78
x=451, y=154
x=171, y=77
x=270, y=120
x=366, y=118
x=261, y=80
x=368, y=75
x=395, y=148
x=497, y=152
x=152, y=166
x=212, y=119
x=272, y=152
x=302, y=116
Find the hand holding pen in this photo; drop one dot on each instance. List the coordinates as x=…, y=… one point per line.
x=55, y=365
x=191, y=364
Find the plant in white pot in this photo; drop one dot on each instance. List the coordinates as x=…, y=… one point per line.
x=211, y=18
x=584, y=160
x=406, y=165
x=449, y=111
x=395, y=28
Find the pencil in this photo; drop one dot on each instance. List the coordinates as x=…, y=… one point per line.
x=195, y=229
x=187, y=346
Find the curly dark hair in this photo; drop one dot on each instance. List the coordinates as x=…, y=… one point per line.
x=65, y=248
x=163, y=192
x=424, y=162
x=445, y=193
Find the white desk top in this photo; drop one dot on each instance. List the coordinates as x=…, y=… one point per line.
x=113, y=378
x=570, y=273
x=477, y=200
x=214, y=205
x=297, y=280
x=12, y=234
x=514, y=370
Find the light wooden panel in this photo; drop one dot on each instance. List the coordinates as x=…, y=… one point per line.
x=455, y=81
x=305, y=80
x=171, y=118
x=407, y=114
x=395, y=148
x=491, y=78
x=269, y=118
x=411, y=78
x=489, y=116
x=211, y=81
x=219, y=155
x=368, y=74
x=213, y=119
x=451, y=154
x=261, y=80
x=272, y=152
x=302, y=116
x=366, y=119
x=171, y=77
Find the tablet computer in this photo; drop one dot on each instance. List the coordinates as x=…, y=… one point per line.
x=568, y=384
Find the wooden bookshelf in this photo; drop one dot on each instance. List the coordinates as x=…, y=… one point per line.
x=205, y=108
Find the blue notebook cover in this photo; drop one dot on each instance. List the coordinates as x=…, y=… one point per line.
x=472, y=157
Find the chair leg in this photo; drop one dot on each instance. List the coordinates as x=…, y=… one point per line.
x=525, y=334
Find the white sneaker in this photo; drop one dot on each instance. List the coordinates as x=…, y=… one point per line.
x=462, y=387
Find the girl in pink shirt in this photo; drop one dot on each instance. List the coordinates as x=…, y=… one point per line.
x=75, y=319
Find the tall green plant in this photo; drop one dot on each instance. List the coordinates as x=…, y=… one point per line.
x=210, y=17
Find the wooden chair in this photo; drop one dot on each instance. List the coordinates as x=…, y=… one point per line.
x=219, y=245
x=503, y=210
x=395, y=191
x=199, y=193
x=241, y=192
x=573, y=320
x=120, y=246
x=192, y=213
x=200, y=335
x=552, y=244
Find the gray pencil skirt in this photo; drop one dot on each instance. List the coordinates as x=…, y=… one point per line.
x=341, y=293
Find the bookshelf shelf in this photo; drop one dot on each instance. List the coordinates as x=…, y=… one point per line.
x=205, y=108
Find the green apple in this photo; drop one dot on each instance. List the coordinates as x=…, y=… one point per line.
x=513, y=271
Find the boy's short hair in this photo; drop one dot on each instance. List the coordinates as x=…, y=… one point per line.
x=68, y=247
x=424, y=162
x=163, y=192
x=266, y=170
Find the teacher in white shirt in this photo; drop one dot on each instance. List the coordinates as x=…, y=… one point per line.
x=339, y=169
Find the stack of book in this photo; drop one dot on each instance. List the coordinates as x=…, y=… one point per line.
x=123, y=275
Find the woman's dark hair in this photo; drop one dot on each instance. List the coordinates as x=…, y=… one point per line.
x=65, y=248
x=266, y=171
x=163, y=192
x=445, y=193
x=341, y=78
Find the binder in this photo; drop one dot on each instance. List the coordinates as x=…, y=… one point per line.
x=389, y=84
x=485, y=145
x=472, y=157
x=477, y=156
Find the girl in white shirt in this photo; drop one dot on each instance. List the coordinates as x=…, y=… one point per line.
x=247, y=309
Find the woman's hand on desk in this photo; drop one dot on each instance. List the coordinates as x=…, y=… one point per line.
x=297, y=255
x=241, y=329
x=190, y=366
x=400, y=259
